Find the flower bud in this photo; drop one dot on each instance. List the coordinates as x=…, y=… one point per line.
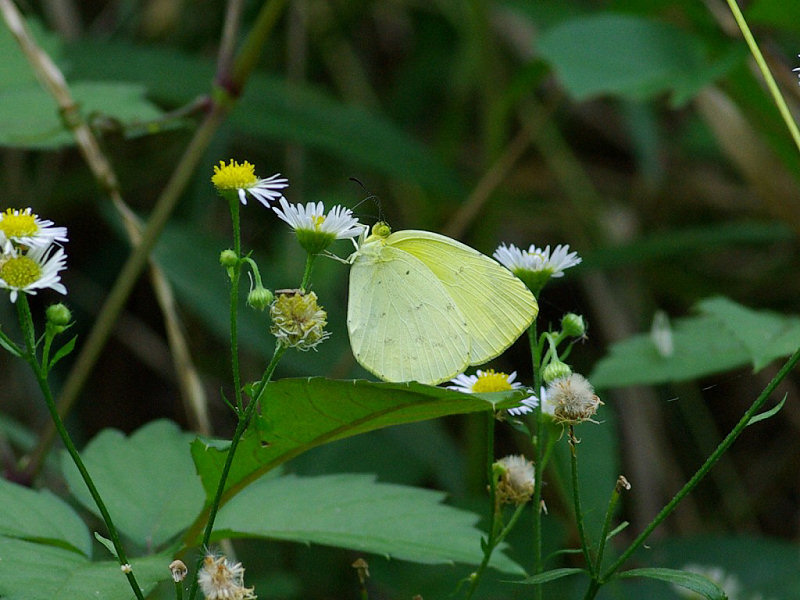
x=58, y=315
x=573, y=325
x=297, y=320
x=228, y=258
x=260, y=298
x=555, y=370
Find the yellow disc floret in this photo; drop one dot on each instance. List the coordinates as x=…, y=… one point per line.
x=18, y=223
x=234, y=176
x=491, y=381
x=20, y=271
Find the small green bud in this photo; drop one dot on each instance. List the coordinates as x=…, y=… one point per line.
x=260, y=298
x=228, y=258
x=58, y=315
x=555, y=370
x=573, y=325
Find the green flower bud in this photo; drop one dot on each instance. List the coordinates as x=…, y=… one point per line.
x=228, y=258
x=573, y=325
x=555, y=370
x=260, y=298
x=58, y=315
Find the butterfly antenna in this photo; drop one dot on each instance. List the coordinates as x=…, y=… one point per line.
x=370, y=196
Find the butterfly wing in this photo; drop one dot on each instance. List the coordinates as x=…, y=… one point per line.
x=403, y=324
x=497, y=306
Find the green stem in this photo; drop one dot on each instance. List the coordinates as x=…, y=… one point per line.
x=26, y=323
x=777, y=97
x=235, y=274
x=576, y=500
x=612, y=504
x=706, y=467
x=241, y=427
x=536, y=358
x=307, y=273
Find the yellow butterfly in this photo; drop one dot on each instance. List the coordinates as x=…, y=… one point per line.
x=424, y=307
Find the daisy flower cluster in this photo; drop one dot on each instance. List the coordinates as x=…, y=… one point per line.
x=315, y=228
x=31, y=255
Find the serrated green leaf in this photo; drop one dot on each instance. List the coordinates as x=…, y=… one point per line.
x=299, y=414
x=691, y=581
x=147, y=481
x=29, y=116
x=551, y=575
x=62, y=352
x=30, y=571
x=41, y=517
x=766, y=335
x=356, y=512
x=631, y=56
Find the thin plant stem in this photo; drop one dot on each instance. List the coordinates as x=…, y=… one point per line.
x=774, y=90
x=236, y=271
x=576, y=500
x=26, y=324
x=536, y=358
x=307, y=273
x=241, y=427
x=702, y=471
x=612, y=504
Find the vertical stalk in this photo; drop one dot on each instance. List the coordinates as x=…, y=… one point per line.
x=536, y=357
x=26, y=324
x=236, y=271
x=576, y=499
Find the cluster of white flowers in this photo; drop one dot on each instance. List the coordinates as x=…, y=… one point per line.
x=31, y=255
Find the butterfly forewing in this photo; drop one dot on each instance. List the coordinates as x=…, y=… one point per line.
x=403, y=324
x=497, y=306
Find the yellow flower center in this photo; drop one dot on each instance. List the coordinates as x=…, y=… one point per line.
x=233, y=176
x=20, y=271
x=318, y=221
x=18, y=225
x=491, y=381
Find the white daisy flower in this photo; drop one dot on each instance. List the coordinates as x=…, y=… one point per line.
x=316, y=230
x=36, y=269
x=535, y=266
x=242, y=179
x=493, y=381
x=26, y=228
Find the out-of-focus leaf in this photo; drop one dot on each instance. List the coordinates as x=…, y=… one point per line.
x=685, y=579
x=274, y=110
x=41, y=517
x=765, y=335
x=551, y=575
x=354, y=511
x=15, y=70
x=147, y=481
x=725, y=336
x=29, y=116
x=768, y=413
x=774, y=13
x=30, y=571
x=630, y=56
x=298, y=414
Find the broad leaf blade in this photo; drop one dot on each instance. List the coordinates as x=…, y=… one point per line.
x=30, y=571
x=299, y=414
x=691, y=581
x=41, y=517
x=354, y=511
x=146, y=480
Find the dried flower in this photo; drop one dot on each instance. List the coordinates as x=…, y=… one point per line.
x=297, y=320
x=220, y=579
x=516, y=479
x=179, y=570
x=573, y=398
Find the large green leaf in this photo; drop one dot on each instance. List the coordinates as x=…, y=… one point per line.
x=15, y=70
x=41, y=517
x=29, y=116
x=30, y=571
x=724, y=336
x=298, y=414
x=354, y=511
x=630, y=56
x=146, y=480
x=685, y=579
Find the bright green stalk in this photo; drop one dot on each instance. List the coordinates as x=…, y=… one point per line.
x=307, y=273
x=698, y=476
x=777, y=97
x=576, y=500
x=536, y=359
x=26, y=324
x=612, y=504
x=235, y=274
